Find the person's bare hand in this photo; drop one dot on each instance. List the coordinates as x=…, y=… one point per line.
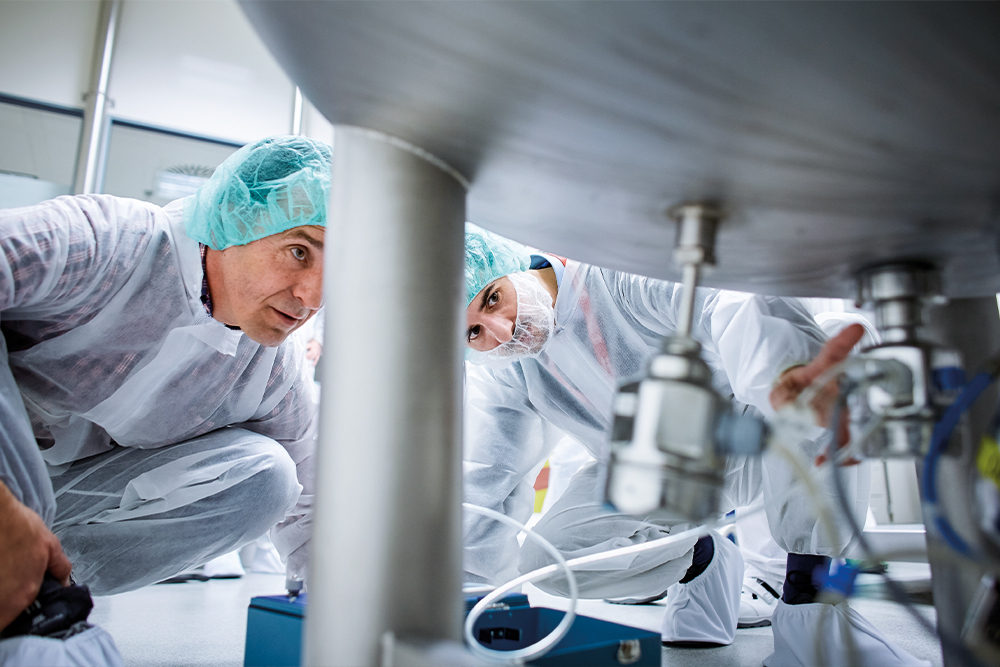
x=794, y=381
x=313, y=351
x=27, y=550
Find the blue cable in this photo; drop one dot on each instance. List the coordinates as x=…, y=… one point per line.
x=939, y=440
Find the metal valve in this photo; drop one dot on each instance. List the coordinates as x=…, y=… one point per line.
x=907, y=380
x=672, y=431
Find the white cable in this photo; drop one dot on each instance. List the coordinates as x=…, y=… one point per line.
x=540, y=647
x=698, y=531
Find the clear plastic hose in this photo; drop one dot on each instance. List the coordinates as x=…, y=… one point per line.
x=540, y=647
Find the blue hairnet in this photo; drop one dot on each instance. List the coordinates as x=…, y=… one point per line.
x=264, y=188
x=488, y=257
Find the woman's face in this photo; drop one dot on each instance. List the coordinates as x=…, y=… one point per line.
x=491, y=316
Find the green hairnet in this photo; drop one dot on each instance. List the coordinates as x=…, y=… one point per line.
x=488, y=257
x=264, y=188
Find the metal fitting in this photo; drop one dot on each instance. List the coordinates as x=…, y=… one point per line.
x=898, y=375
x=697, y=222
x=672, y=430
x=897, y=292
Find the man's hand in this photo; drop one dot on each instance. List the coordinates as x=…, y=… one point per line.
x=794, y=381
x=27, y=550
x=313, y=351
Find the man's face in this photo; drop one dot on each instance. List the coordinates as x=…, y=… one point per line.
x=269, y=287
x=491, y=316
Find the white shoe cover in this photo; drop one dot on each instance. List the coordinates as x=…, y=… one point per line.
x=704, y=610
x=261, y=556
x=226, y=566
x=796, y=628
x=91, y=648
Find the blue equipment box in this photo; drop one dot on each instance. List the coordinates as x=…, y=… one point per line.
x=589, y=642
x=274, y=634
x=274, y=631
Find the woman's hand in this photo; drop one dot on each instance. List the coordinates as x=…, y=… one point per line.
x=795, y=380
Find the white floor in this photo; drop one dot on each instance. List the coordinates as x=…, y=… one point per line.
x=204, y=623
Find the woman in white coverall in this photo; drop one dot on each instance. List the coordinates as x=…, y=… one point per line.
x=153, y=414
x=550, y=340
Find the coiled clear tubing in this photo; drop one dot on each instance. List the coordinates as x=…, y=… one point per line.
x=542, y=646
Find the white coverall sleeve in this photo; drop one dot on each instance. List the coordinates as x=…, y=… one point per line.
x=293, y=423
x=55, y=267
x=757, y=338
x=504, y=441
x=58, y=255
x=750, y=337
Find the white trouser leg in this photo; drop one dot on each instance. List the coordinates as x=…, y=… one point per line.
x=794, y=519
x=22, y=469
x=763, y=557
x=132, y=517
x=577, y=525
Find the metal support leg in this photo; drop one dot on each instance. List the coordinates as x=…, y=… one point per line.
x=971, y=326
x=387, y=539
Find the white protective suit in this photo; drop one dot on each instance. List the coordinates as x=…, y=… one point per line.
x=91, y=648
x=170, y=438
x=608, y=324
x=763, y=557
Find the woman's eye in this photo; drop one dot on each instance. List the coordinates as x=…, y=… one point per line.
x=474, y=333
x=298, y=253
x=493, y=298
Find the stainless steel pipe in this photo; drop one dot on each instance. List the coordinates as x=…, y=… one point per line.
x=387, y=540
x=94, y=137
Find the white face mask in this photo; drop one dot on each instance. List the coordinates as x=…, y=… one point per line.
x=532, y=330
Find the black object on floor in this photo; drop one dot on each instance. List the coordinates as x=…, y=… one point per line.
x=56, y=610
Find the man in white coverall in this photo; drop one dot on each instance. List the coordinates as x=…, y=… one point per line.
x=550, y=341
x=153, y=414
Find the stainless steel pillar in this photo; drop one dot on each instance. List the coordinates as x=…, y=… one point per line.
x=387, y=539
x=94, y=137
x=971, y=326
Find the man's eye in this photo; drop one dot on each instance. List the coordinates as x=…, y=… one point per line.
x=474, y=332
x=493, y=298
x=298, y=253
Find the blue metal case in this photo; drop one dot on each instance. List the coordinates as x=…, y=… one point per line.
x=274, y=634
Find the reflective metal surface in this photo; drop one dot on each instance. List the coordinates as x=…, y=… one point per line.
x=387, y=537
x=898, y=374
x=835, y=134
